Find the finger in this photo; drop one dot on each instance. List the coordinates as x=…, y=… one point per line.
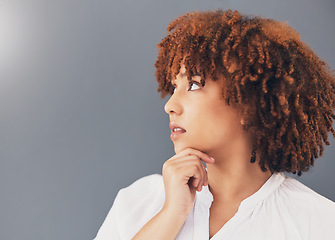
x=201, y=155
x=195, y=182
x=202, y=178
x=188, y=161
x=192, y=159
x=187, y=167
x=189, y=151
x=205, y=182
x=197, y=173
x=193, y=176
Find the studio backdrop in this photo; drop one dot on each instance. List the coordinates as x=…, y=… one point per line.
x=80, y=116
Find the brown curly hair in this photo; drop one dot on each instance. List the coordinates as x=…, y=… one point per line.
x=286, y=92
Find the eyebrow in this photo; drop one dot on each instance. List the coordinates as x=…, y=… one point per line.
x=185, y=75
x=182, y=75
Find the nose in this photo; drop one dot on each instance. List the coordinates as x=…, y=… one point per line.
x=173, y=105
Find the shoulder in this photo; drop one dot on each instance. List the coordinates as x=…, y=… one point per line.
x=136, y=204
x=147, y=187
x=301, y=196
x=307, y=210
x=133, y=207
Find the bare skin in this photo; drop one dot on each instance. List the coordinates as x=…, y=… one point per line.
x=214, y=135
x=231, y=182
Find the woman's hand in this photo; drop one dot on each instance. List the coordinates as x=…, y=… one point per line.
x=183, y=175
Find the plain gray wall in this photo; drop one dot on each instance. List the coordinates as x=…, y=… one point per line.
x=80, y=117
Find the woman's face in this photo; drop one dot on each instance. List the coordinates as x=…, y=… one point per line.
x=207, y=123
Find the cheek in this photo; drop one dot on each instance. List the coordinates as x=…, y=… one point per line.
x=210, y=121
x=222, y=123
x=216, y=129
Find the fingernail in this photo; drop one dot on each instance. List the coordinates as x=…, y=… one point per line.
x=196, y=183
x=212, y=159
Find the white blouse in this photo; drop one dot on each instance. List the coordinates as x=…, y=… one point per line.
x=283, y=208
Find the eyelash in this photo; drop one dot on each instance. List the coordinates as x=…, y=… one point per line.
x=190, y=83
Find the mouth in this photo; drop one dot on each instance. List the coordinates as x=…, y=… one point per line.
x=176, y=130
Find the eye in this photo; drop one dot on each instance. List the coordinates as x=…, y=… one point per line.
x=173, y=89
x=194, y=85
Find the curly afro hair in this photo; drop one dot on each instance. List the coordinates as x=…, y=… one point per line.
x=285, y=91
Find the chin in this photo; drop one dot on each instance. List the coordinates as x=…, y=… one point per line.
x=180, y=147
x=177, y=149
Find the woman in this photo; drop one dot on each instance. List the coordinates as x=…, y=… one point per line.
x=252, y=101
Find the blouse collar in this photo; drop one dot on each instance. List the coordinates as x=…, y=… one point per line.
x=205, y=197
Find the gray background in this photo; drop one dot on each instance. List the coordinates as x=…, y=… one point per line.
x=80, y=117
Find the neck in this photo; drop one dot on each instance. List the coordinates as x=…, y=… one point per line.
x=233, y=177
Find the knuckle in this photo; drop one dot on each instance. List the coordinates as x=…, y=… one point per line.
x=173, y=175
x=194, y=158
x=189, y=150
x=194, y=168
x=167, y=166
x=197, y=162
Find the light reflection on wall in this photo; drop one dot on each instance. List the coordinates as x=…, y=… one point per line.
x=14, y=35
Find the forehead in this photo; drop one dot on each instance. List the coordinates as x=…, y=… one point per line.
x=182, y=75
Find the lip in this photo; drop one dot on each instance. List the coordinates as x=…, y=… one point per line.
x=176, y=134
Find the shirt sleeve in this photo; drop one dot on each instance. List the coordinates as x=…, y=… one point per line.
x=133, y=207
x=109, y=228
